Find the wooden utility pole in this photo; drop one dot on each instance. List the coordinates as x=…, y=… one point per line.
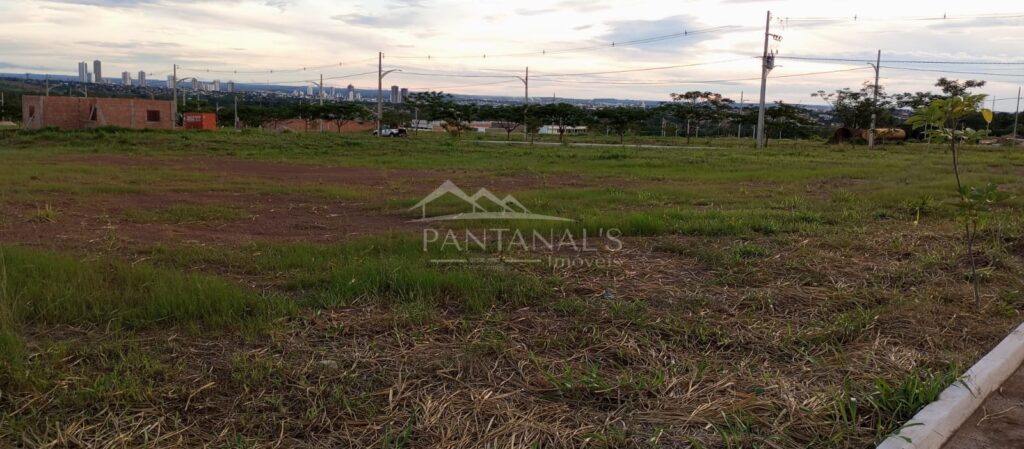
x=526, y=106
x=321, y=120
x=174, y=99
x=874, y=103
x=764, y=81
x=380, y=91
x=1016, y=115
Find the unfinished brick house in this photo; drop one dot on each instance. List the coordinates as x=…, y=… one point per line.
x=83, y=113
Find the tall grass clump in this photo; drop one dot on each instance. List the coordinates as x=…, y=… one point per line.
x=56, y=289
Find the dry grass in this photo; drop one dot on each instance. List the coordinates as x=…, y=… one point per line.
x=727, y=326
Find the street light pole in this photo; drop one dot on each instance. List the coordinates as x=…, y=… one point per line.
x=380, y=90
x=174, y=98
x=874, y=102
x=1016, y=115
x=764, y=82
x=526, y=102
x=321, y=120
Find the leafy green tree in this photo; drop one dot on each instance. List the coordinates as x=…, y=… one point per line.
x=562, y=116
x=944, y=120
x=440, y=106
x=788, y=120
x=956, y=88
x=914, y=101
x=509, y=117
x=395, y=118
x=622, y=119
x=853, y=109
x=695, y=108
x=344, y=112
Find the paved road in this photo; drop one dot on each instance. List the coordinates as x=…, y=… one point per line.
x=998, y=423
x=599, y=145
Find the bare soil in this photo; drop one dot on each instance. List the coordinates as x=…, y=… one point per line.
x=86, y=220
x=998, y=423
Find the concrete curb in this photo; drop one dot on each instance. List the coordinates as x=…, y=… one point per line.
x=934, y=424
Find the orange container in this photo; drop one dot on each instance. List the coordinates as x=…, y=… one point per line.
x=200, y=120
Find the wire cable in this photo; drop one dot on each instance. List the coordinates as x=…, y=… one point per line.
x=1012, y=75
x=643, y=41
x=896, y=61
x=269, y=71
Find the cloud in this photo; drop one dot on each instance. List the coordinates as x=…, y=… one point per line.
x=633, y=30
x=534, y=12
x=394, y=19
x=107, y=3
x=129, y=44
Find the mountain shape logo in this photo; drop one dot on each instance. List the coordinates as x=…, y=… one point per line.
x=483, y=205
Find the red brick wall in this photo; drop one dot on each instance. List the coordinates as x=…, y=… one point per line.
x=76, y=112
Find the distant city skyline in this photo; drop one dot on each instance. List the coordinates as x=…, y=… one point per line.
x=215, y=39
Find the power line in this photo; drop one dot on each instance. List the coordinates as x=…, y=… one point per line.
x=270, y=71
x=545, y=52
x=648, y=69
x=896, y=61
x=669, y=82
x=462, y=86
x=352, y=75
x=1012, y=75
x=858, y=18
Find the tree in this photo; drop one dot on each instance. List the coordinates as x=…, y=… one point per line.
x=395, y=118
x=944, y=118
x=440, y=106
x=621, y=119
x=787, y=119
x=696, y=108
x=853, y=109
x=271, y=116
x=955, y=88
x=562, y=116
x=344, y=112
x=914, y=101
x=509, y=117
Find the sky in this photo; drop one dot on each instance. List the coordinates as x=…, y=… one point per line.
x=480, y=47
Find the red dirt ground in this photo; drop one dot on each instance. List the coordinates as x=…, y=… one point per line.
x=86, y=221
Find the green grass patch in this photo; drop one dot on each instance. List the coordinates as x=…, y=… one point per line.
x=56, y=289
x=187, y=213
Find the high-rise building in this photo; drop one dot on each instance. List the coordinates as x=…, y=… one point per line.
x=97, y=70
x=88, y=78
x=216, y=85
x=309, y=90
x=394, y=95
x=126, y=78
x=170, y=81
x=231, y=86
x=142, y=78
x=195, y=84
x=83, y=72
x=350, y=93
x=403, y=95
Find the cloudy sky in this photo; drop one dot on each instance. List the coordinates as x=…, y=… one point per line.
x=440, y=44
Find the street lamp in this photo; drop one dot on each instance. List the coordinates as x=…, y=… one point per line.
x=526, y=101
x=877, y=65
x=320, y=89
x=380, y=89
